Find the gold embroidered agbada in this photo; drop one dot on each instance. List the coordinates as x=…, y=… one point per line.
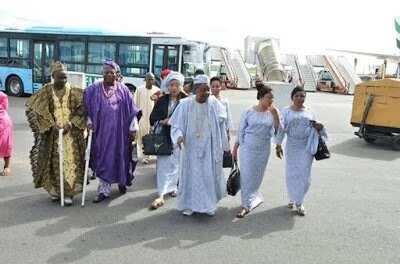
x=44, y=110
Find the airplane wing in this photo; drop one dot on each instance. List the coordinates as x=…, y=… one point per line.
x=393, y=58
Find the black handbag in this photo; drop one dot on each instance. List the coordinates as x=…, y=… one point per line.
x=227, y=160
x=157, y=144
x=322, y=150
x=233, y=183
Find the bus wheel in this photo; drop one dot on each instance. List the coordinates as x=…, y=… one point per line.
x=396, y=142
x=14, y=86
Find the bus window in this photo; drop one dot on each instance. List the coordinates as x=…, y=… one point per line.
x=134, y=54
x=48, y=60
x=43, y=57
x=37, y=63
x=72, y=53
x=94, y=69
x=173, y=58
x=75, y=67
x=3, y=48
x=133, y=72
x=19, y=52
x=165, y=57
x=98, y=52
x=158, y=58
x=192, y=59
x=19, y=48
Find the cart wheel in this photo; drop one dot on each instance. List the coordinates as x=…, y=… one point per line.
x=396, y=143
x=369, y=140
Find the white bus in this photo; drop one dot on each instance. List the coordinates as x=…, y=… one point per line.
x=26, y=55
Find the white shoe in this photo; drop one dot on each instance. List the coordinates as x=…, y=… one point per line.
x=67, y=201
x=187, y=212
x=301, y=211
x=212, y=213
x=290, y=205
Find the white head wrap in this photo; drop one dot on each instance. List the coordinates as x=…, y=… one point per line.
x=175, y=76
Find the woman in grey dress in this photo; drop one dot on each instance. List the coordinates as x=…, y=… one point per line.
x=257, y=126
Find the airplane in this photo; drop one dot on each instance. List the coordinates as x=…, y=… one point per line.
x=385, y=57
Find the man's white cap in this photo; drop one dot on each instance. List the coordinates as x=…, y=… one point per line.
x=201, y=79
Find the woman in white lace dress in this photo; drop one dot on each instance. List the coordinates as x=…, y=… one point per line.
x=298, y=124
x=257, y=126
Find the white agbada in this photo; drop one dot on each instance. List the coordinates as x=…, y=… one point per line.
x=201, y=182
x=299, y=153
x=143, y=102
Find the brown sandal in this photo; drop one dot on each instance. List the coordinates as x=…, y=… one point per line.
x=157, y=204
x=7, y=172
x=243, y=213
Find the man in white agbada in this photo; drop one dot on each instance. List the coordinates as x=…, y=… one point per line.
x=198, y=127
x=145, y=103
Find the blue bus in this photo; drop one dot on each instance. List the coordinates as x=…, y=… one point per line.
x=26, y=55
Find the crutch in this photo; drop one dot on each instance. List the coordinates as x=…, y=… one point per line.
x=87, y=159
x=61, y=160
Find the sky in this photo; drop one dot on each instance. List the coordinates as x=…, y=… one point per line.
x=303, y=27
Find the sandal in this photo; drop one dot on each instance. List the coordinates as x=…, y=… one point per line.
x=301, y=211
x=243, y=213
x=6, y=172
x=157, y=203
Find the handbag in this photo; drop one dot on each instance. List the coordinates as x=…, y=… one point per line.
x=227, y=161
x=156, y=142
x=233, y=183
x=322, y=150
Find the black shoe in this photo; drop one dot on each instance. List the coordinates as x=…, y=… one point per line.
x=99, y=198
x=54, y=198
x=122, y=189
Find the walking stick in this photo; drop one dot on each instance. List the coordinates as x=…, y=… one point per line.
x=61, y=160
x=87, y=159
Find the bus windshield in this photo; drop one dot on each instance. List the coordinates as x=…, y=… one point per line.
x=193, y=58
